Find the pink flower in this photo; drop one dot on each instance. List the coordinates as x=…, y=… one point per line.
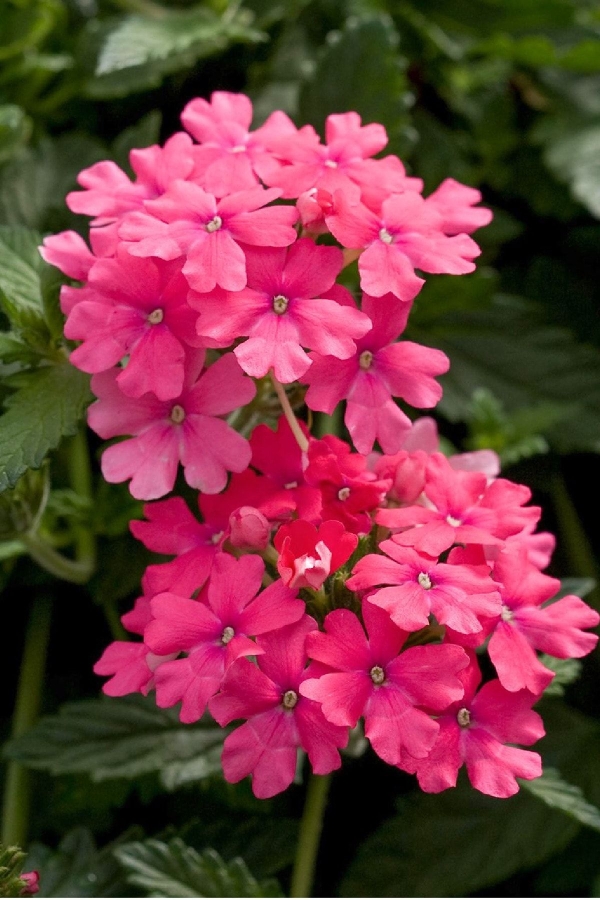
x=136, y=308
x=280, y=718
x=307, y=556
x=370, y=679
x=416, y=586
x=231, y=158
x=32, y=883
x=455, y=202
x=109, y=193
x=457, y=511
x=407, y=234
x=525, y=625
x=476, y=731
x=291, y=302
x=210, y=232
x=215, y=633
x=132, y=666
x=380, y=369
x=185, y=429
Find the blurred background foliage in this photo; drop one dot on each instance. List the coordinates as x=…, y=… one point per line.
x=501, y=94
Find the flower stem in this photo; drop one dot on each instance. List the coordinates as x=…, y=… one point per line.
x=15, y=807
x=309, y=836
x=289, y=414
x=55, y=563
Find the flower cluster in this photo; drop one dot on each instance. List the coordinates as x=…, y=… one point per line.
x=321, y=585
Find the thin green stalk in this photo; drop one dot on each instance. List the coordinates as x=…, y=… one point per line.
x=80, y=474
x=309, y=836
x=574, y=538
x=54, y=562
x=289, y=414
x=16, y=802
x=332, y=424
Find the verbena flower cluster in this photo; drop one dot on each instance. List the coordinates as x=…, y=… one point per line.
x=320, y=585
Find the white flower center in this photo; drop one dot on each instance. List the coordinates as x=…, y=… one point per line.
x=365, y=359
x=377, y=675
x=228, y=633
x=214, y=224
x=425, y=581
x=290, y=485
x=385, y=236
x=239, y=149
x=290, y=698
x=331, y=164
x=507, y=614
x=452, y=520
x=177, y=414
x=156, y=317
x=343, y=493
x=280, y=304
x=463, y=717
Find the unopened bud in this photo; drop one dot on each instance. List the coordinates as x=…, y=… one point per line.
x=249, y=529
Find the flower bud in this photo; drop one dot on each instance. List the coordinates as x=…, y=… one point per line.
x=249, y=529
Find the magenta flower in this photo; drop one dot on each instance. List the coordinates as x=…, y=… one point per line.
x=136, y=308
x=455, y=202
x=132, y=667
x=210, y=232
x=407, y=234
x=349, y=492
x=476, y=731
x=280, y=718
x=185, y=429
x=215, y=633
x=380, y=369
x=291, y=302
x=277, y=455
x=416, y=586
x=370, y=679
x=307, y=555
x=525, y=625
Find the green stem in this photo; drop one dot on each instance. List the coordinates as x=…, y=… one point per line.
x=332, y=424
x=80, y=474
x=309, y=836
x=54, y=562
x=15, y=807
x=575, y=539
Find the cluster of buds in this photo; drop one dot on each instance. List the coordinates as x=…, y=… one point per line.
x=321, y=585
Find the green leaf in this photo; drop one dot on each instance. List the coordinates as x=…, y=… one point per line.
x=77, y=868
x=121, y=738
x=20, y=266
x=581, y=587
x=177, y=870
x=566, y=672
x=26, y=24
x=575, y=158
x=138, y=52
x=553, y=790
x=15, y=129
x=338, y=83
x=49, y=406
x=507, y=348
x=456, y=843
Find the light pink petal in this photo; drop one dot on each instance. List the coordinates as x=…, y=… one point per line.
x=429, y=675
x=222, y=388
x=391, y=723
x=516, y=662
x=180, y=624
x=409, y=370
x=211, y=449
x=494, y=768
x=342, y=695
x=155, y=365
x=266, y=748
x=319, y=737
x=214, y=260
x=329, y=380
x=150, y=460
x=556, y=629
x=385, y=268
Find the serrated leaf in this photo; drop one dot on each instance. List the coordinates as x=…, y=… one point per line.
x=77, y=868
x=20, y=266
x=507, y=348
x=553, y=790
x=338, y=83
x=174, y=869
x=456, y=843
x=139, y=52
x=48, y=407
x=574, y=157
x=120, y=738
